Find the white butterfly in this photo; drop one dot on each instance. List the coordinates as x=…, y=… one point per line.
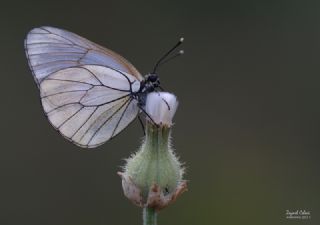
x=89, y=93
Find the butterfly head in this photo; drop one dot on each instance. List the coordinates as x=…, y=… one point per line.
x=153, y=80
x=150, y=83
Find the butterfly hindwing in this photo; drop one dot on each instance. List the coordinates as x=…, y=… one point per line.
x=83, y=108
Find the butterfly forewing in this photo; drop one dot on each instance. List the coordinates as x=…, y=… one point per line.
x=86, y=90
x=51, y=49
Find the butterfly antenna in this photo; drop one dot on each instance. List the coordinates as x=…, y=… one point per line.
x=181, y=52
x=167, y=53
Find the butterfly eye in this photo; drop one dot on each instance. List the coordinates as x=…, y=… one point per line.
x=153, y=78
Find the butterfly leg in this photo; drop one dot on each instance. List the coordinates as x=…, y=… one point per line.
x=142, y=125
x=161, y=88
x=164, y=100
x=144, y=111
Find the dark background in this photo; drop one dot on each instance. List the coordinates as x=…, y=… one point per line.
x=247, y=126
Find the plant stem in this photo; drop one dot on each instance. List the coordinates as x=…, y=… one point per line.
x=149, y=216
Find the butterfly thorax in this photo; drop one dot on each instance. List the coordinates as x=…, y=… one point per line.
x=148, y=85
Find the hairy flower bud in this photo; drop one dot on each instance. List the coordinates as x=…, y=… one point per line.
x=153, y=175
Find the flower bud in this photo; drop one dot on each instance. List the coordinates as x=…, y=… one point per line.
x=161, y=107
x=153, y=175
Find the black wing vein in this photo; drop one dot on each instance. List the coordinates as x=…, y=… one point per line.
x=95, y=133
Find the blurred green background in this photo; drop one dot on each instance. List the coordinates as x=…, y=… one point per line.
x=247, y=126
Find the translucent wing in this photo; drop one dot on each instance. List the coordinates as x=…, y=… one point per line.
x=89, y=104
x=85, y=88
x=51, y=49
